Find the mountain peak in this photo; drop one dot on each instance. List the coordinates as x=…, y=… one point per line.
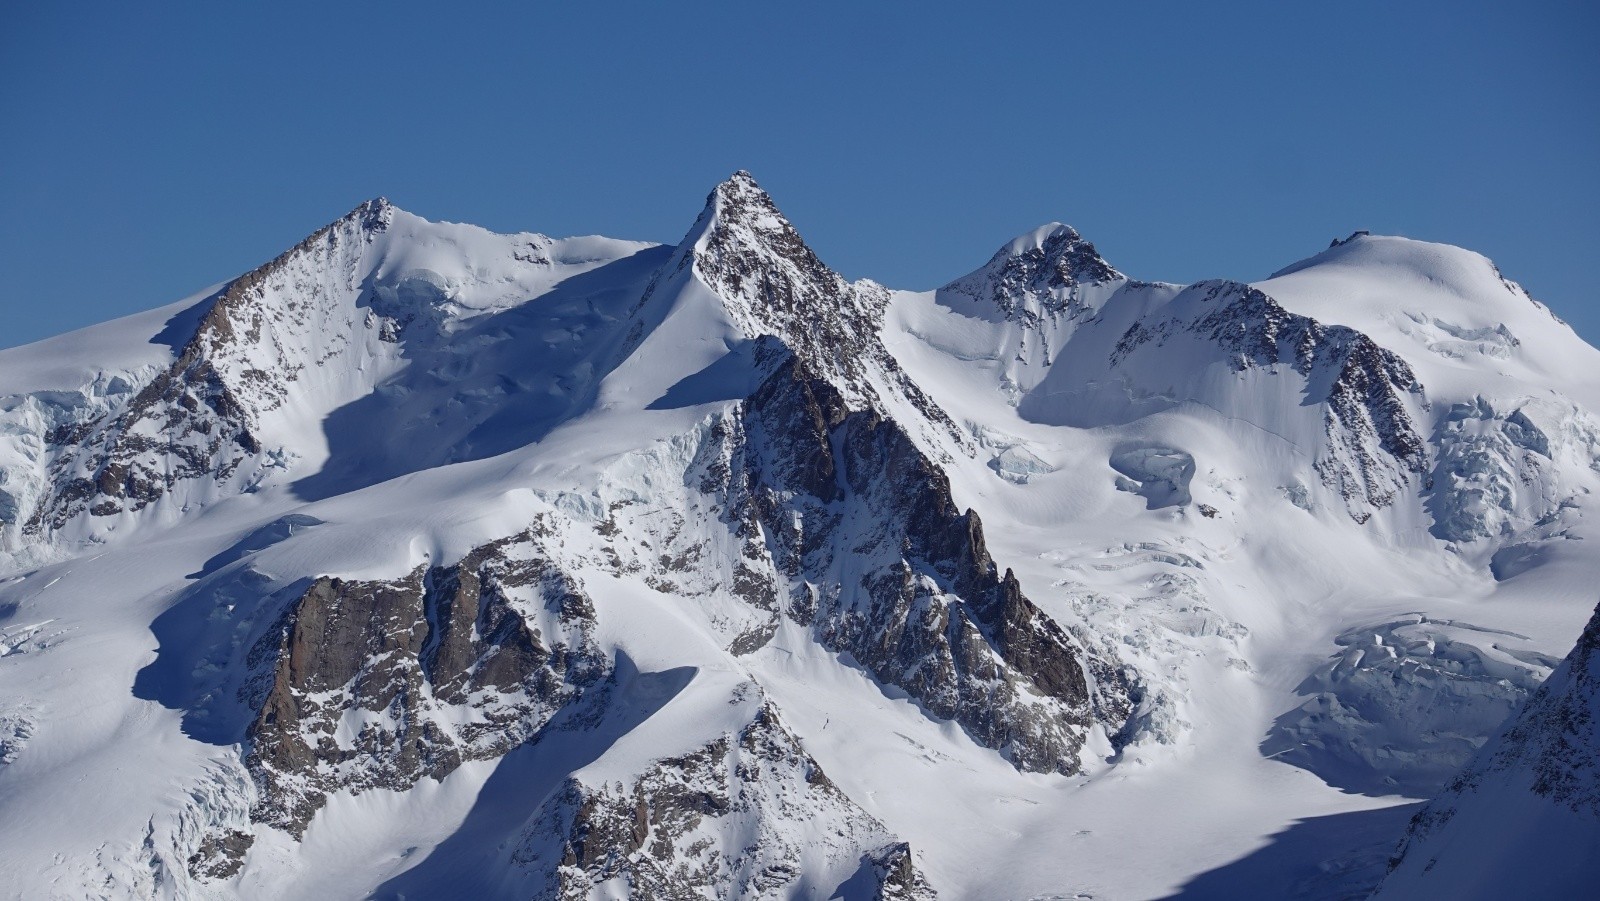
x=740, y=181
x=768, y=555
x=1054, y=232
x=1058, y=253
x=742, y=246
x=739, y=199
x=373, y=215
x=1037, y=272
x=770, y=282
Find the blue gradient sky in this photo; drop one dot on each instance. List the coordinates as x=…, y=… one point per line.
x=148, y=150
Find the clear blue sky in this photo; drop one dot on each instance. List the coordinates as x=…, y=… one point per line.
x=148, y=150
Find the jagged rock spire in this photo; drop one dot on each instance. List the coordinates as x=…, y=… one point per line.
x=374, y=215
x=742, y=245
x=770, y=282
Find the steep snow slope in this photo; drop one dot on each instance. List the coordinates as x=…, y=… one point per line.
x=1523, y=820
x=268, y=377
x=424, y=559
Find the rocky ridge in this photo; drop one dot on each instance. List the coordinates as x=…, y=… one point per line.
x=771, y=283
x=1373, y=450
x=799, y=517
x=871, y=551
x=378, y=684
x=1039, y=276
x=197, y=423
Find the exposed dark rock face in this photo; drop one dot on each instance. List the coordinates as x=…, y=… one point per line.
x=898, y=876
x=1046, y=280
x=1373, y=448
x=199, y=419
x=356, y=681
x=220, y=855
x=854, y=520
x=843, y=524
x=871, y=551
x=736, y=818
x=186, y=424
x=772, y=283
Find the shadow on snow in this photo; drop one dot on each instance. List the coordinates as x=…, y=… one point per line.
x=500, y=382
x=475, y=861
x=1342, y=856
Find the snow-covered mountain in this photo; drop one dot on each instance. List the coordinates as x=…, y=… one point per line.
x=424, y=561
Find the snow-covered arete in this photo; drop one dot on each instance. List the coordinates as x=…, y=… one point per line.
x=427, y=560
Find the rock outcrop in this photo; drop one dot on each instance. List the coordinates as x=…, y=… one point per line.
x=1040, y=276
x=368, y=684
x=1372, y=449
x=872, y=553
x=771, y=283
x=747, y=815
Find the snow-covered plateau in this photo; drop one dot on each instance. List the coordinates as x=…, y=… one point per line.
x=427, y=562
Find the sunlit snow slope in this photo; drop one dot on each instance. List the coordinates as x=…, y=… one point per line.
x=424, y=561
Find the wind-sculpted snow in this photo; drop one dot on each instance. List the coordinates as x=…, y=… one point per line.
x=1406, y=704
x=1523, y=820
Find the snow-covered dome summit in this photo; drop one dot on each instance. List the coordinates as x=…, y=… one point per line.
x=1449, y=311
